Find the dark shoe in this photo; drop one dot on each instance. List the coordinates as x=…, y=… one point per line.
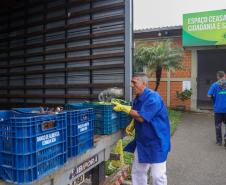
x=219, y=143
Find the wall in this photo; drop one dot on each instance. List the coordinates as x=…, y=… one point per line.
x=64, y=51
x=171, y=81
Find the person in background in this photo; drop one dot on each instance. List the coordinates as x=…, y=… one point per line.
x=152, y=133
x=217, y=92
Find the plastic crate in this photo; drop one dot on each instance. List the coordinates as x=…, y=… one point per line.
x=31, y=145
x=102, y=111
x=29, y=110
x=80, y=129
x=73, y=141
x=26, y=161
x=107, y=121
x=106, y=129
x=26, y=176
x=81, y=148
x=124, y=120
x=76, y=129
x=80, y=144
x=27, y=133
x=79, y=121
x=78, y=106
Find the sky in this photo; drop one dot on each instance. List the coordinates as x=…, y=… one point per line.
x=160, y=13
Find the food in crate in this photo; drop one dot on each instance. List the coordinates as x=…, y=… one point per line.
x=53, y=110
x=108, y=94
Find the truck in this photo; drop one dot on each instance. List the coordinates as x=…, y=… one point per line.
x=57, y=52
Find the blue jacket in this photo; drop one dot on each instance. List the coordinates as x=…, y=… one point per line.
x=152, y=137
x=218, y=91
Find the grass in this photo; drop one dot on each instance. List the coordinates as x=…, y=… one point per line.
x=174, y=116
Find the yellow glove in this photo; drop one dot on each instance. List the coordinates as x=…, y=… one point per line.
x=130, y=128
x=121, y=108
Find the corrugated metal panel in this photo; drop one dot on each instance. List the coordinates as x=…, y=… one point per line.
x=16, y=81
x=78, y=64
x=18, y=100
x=3, y=82
x=36, y=91
x=78, y=78
x=34, y=80
x=55, y=91
x=54, y=47
x=55, y=101
x=57, y=78
x=34, y=100
x=78, y=91
x=108, y=61
x=108, y=76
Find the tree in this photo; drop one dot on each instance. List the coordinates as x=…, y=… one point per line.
x=158, y=57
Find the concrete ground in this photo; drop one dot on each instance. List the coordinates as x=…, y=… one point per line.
x=195, y=159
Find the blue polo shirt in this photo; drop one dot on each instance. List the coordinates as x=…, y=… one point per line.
x=219, y=95
x=152, y=137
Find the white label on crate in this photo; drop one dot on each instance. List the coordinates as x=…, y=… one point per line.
x=83, y=127
x=48, y=138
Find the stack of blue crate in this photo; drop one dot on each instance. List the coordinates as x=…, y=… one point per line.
x=107, y=121
x=80, y=131
x=31, y=145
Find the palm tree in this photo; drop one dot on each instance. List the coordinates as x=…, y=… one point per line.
x=158, y=57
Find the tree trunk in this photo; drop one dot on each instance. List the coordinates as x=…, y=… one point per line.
x=158, y=74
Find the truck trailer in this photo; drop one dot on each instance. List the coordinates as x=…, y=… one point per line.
x=57, y=52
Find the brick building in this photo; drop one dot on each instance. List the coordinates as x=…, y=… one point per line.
x=199, y=68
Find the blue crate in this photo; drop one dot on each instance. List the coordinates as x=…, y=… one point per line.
x=84, y=146
x=106, y=129
x=26, y=133
x=79, y=121
x=76, y=129
x=106, y=119
x=30, y=110
x=79, y=128
x=78, y=106
x=28, y=145
x=31, y=145
x=24, y=161
x=105, y=114
x=73, y=141
x=81, y=148
x=38, y=122
x=102, y=111
x=26, y=176
x=124, y=120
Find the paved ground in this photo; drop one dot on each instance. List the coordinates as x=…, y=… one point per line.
x=194, y=158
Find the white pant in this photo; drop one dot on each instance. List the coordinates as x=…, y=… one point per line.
x=139, y=172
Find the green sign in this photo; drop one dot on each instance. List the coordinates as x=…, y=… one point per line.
x=204, y=28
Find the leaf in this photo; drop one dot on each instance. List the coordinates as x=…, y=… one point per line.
x=160, y=55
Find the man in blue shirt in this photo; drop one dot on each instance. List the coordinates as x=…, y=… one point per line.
x=217, y=92
x=152, y=133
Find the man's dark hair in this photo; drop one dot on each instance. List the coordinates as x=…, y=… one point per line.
x=220, y=74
